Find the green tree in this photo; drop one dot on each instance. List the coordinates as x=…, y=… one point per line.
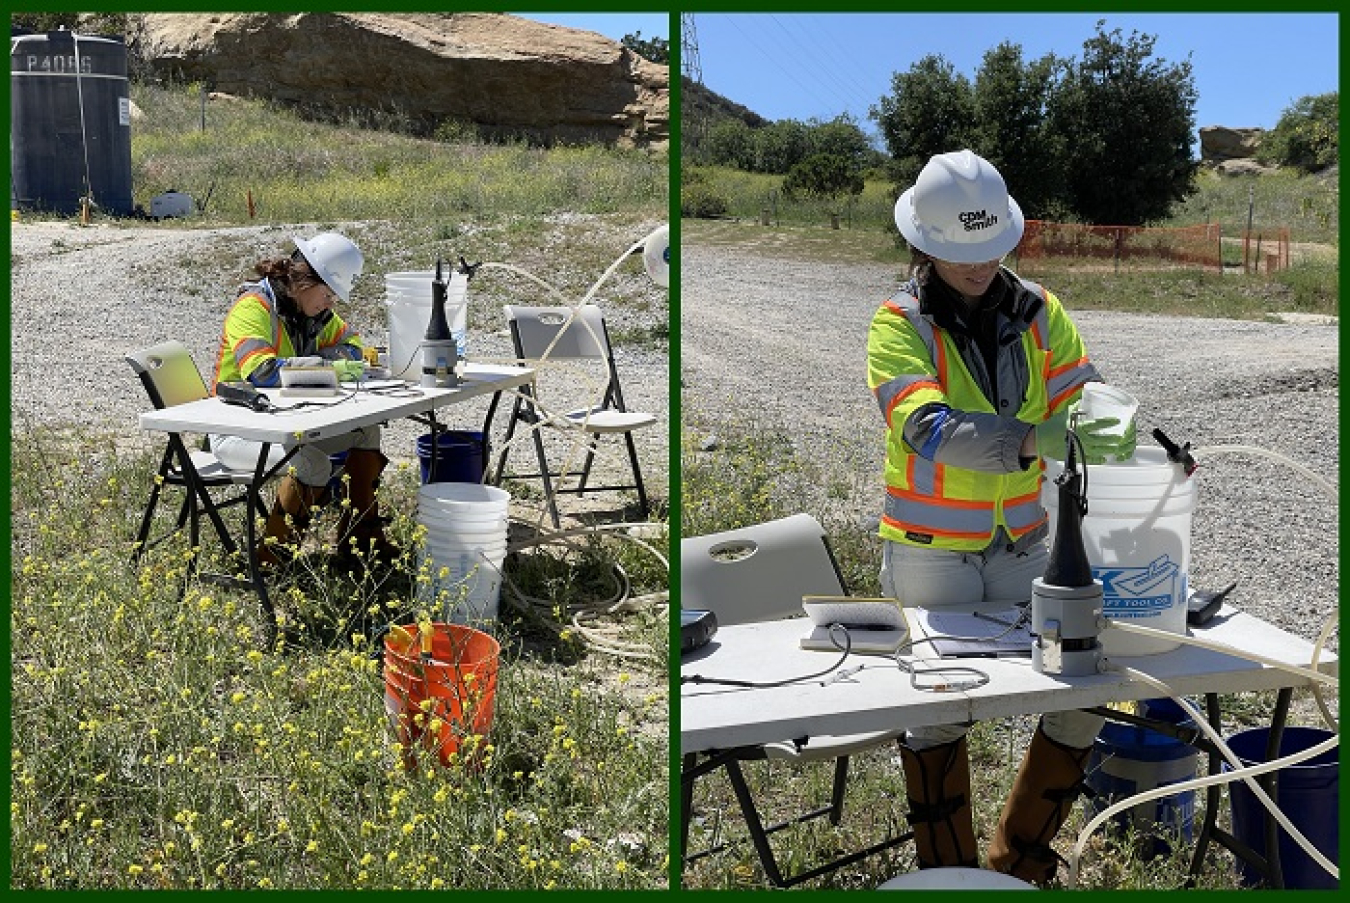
x=842, y=136
x=1011, y=130
x=828, y=176
x=1307, y=135
x=1128, y=120
x=728, y=142
x=781, y=145
x=657, y=50
x=930, y=110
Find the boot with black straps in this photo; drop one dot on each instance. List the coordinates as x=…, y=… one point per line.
x=289, y=519
x=1047, y=784
x=361, y=538
x=938, y=782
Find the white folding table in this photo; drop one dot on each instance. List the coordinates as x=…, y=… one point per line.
x=716, y=718
x=300, y=420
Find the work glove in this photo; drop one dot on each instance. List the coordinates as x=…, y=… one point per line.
x=1050, y=436
x=349, y=371
x=1100, y=440
x=315, y=361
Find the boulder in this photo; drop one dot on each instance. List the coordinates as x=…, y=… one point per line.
x=510, y=77
x=1243, y=168
x=1219, y=143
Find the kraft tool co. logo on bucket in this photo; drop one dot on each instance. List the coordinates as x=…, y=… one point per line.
x=1141, y=592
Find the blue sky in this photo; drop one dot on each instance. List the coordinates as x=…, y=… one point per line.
x=611, y=25
x=1248, y=67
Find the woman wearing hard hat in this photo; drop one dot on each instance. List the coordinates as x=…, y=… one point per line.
x=975, y=370
x=286, y=319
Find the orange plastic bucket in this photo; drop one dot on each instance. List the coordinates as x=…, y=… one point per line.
x=443, y=701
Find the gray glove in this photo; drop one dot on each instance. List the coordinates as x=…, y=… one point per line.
x=303, y=362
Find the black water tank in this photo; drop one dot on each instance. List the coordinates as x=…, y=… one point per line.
x=70, y=122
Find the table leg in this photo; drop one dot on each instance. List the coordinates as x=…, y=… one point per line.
x=253, y=509
x=487, y=435
x=1270, y=783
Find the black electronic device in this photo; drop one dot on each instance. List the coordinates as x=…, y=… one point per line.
x=1203, y=604
x=697, y=628
x=243, y=395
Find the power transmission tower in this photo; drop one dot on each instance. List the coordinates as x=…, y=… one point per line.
x=694, y=122
x=690, y=67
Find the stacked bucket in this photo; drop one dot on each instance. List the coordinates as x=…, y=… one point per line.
x=465, y=548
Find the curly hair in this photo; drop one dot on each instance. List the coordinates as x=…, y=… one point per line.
x=287, y=274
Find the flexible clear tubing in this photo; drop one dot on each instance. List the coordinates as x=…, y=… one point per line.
x=621, y=600
x=1239, y=772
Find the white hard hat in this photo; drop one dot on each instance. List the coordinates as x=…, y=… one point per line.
x=334, y=259
x=959, y=210
x=656, y=256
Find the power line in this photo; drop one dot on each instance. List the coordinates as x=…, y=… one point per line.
x=829, y=72
x=774, y=60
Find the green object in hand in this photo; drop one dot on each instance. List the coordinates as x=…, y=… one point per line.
x=1050, y=436
x=348, y=371
x=1101, y=442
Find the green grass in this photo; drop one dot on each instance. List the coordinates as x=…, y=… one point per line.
x=160, y=742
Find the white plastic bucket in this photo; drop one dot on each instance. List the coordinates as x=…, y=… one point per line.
x=473, y=584
x=466, y=527
x=437, y=520
x=1137, y=534
x=407, y=295
x=464, y=498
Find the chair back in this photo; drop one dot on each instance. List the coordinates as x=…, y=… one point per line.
x=168, y=373
x=560, y=333
x=760, y=572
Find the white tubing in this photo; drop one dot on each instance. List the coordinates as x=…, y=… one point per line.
x=1240, y=772
x=1317, y=478
x=1331, y=490
x=1316, y=676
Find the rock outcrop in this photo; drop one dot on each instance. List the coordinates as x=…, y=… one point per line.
x=1219, y=143
x=509, y=77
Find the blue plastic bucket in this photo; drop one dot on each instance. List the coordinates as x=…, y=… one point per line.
x=459, y=457
x=1307, y=794
x=1127, y=760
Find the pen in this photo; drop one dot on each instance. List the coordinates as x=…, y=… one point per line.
x=993, y=620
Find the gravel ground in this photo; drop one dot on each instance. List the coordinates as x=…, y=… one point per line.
x=82, y=297
x=783, y=342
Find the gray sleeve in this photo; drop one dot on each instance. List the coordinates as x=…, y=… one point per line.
x=975, y=441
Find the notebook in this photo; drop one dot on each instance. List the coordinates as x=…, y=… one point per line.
x=309, y=382
x=873, y=625
x=983, y=635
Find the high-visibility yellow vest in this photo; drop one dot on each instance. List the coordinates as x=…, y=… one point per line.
x=254, y=334
x=913, y=362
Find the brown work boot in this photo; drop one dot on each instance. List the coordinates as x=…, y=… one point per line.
x=361, y=536
x=289, y=519
x=1050, y=779
x=938, y=782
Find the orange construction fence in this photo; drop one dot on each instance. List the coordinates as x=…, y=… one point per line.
x=1265, y=251
x=1123, y=245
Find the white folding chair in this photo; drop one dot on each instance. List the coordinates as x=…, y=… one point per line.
x=170, y=378
x=542, y=334
x=760, y=573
